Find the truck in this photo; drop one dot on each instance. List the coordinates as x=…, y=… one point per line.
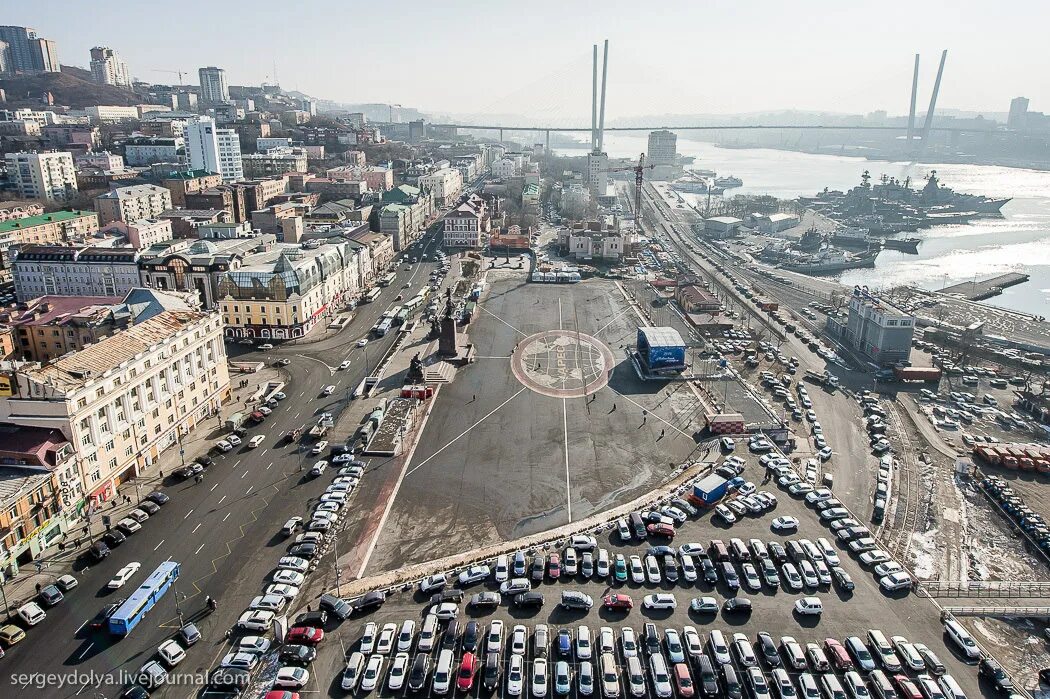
x=320, y=429
x=826, y=379
x=928, y=374
x=708, y=491
x=235, y=421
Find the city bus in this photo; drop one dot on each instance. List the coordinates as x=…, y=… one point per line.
x=387, y=279
x=372, y=295
x=401, y=316
x=129, y=614
x=384, y=325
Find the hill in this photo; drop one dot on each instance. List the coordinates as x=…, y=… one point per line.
x=72, y=87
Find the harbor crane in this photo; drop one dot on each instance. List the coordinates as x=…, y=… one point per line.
x=180, y=73
x=639, y=173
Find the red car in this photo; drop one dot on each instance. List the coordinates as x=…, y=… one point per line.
x=683, y=681
x=618, y=601
x=660, y=529
x=306, y=635
x=281, y=694
x=906, y=687
x=468, y=669
x=837, y=654
x=554, y=566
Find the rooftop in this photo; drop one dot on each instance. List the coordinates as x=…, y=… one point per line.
x=662, y=336
x=29, y=446
x=15, y=481
x=43, y=219
x=137, y=190
x=61, y=309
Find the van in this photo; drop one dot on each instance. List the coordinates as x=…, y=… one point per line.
x=719, y=552
x=428, y=634
x=610, y=675
x=887, y=657
x=951, y=688
x=881, y=686
x=31, y=613
x=638, y=525
x=635, y=677
x=443, y=672
x=740, y=551
x=962, y=638
x=830, y=687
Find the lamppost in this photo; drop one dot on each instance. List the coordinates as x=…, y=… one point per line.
x=178, y=605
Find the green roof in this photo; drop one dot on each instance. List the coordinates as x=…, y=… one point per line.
x=187, y=174
x=53, y=217
x=531, y=188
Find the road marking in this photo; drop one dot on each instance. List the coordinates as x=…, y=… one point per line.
x=188, y=514
x=79, y=628
x=81, y=657
x=244, y=474
x=196, y=528
x=296, y=416
x=250, y=488
x=502, y=321
x=269, y=465
x=198, y=549
x=464, y=432
x=565, y=426
x=221, y=499
x=263, y=453
x=227, y=516
x=236, y=463
x=213, y=487
x=158, y=545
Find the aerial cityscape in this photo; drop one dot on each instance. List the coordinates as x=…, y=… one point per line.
x=558, y=370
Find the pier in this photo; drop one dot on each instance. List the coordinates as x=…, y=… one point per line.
x=986, y=288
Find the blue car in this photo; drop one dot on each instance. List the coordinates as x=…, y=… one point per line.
x=564, y=642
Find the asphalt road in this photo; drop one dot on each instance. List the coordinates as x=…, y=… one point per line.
x=222, y=531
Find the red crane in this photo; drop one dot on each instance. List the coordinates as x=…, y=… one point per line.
x=639, y=171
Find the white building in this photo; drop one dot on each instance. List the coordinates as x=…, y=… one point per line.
x=145, y=150
x=445, y=185
x=214, y=87
x=124, y=400
x=49, y=176
x=144, y=232
x=103, y=161
x=505, y=167
x=107, y=68
x=663, y=147
x=212, y=149
x=464, y=226
x=265, y=143
x=598, y=172
x=63, y=270
x=111, y=112
x=132, y=203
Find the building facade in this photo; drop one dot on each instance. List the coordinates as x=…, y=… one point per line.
x=146, y=150
x=875, y=328
x=198, y=266
x=181, y=183
x=662, y=149
x=124, y=400
x=44, y=229
x=107, y=68
x=133, y=203
x=49, y=176
x=142, y=233
x=275, y=161
x=465, y=226
x=214, y=87
x=212, y=149
x=40, y=270
x=23, y=52
x=445, y=185
x=51, y=326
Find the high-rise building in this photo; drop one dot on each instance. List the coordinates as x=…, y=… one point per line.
x=213, y=85
x=213, y=149
x=107, y=68
x=1018, y=113
x=24, y=52
x=49, y=176
x=662, y=147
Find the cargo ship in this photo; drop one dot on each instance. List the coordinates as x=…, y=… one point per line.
x=831, y=261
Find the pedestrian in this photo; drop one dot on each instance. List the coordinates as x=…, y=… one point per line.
x=614, y=408
x=39, y=587
x=85, y=530
x=161, y=473
x=661, y=433
x=76, y=542
x=474, y=398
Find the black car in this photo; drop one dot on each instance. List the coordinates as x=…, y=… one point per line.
x=685, y=506
x=732, y=682
x=490, y=675
x=670, y=568
x=336, y=606
x=298, y=655
x=777, y=552
x=375, y=598
x=304, y=550
x=709, y=572
x=316, y=619
x=417, y=678
x=158, y=497
x=114, y=538
x=452, y=595
x=485, y=600
x=451, y=635
x=768, y=648
x=205, y=461
x=189, y=471
x=651, y=639
x=98, y=550
x=134, y=692
x=149, y=507
x=737, y=605
x=470, y=637
x=529, y=599
x=705, y=671
x=996, y=675
x=100, y=620
x=729, y=575
x=225, y=678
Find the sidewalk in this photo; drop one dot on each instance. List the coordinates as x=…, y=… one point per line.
x=63, y=557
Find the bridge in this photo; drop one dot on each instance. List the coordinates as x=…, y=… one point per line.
x=720, y=127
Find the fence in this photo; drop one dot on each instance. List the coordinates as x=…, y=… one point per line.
x=981, y=589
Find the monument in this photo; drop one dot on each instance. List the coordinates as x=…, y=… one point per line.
x=415, y=372
x=448, y=340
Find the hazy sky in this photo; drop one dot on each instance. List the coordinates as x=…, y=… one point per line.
x=493, y=56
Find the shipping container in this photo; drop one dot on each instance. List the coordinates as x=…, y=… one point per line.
x=709, y=490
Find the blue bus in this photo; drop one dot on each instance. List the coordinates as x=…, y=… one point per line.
x=129, y=614
x=384, y=326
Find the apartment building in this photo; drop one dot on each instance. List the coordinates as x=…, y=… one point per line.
x=64, y=270
x=188, y=182
x=43, y=229
x=214, y=87
x=124, y=400
x=49, y=176
x=107, y=68
x=445, y=185
x=50, y=326
x=213, y=149
x=145, y=150
x=464, y=226
x=875, y=328
x=275, y=161
x=142, y=233
x=132, y=203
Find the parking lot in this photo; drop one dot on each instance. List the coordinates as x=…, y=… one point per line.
x=844, y=613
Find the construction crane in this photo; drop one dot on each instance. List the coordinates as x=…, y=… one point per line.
x=180, y=73
x=639, y=171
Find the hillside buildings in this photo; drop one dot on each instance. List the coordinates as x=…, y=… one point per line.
x=212, y=149
x=130, y=204
x=214, y=87
x=49, y=176
x=23, y=52
x=107, y=68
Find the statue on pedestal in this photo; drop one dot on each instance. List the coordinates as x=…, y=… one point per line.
x=415, y=371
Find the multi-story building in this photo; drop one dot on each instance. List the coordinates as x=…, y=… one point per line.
x=181, y=183
x=445, y=185
x=1018, y=113
x=198, y=266
x=275, y=161
x=111, y=112
x=49, y=176
x=142, y=233
x=663, y=148
x=504, y=168
x=22, y=51
x=464, y=226
x=50, y=326
x=100, y=161
x=132, y=203
x=79, y=138
x=124, y=400
x=65, y=270
x=39, y=489
x=378, y=178
x=592, y=240
x=265, y=143
x=107, y=68
x=284, y=293
x=213, y=149
x=380, y=251
x=145, y=150
x=43, y=229
x=214, y=87
x=598, y=172
x=875, y=328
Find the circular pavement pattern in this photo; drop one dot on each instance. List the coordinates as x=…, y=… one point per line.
x=562, y=363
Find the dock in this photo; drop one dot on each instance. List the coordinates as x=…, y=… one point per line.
x=986, y=288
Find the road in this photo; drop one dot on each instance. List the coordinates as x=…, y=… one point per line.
x=223, y=530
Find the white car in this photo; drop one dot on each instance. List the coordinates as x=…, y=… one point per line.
x=502, y=569
x=346, y=365
x=288, y=577
x=257, y=620
x=518, y=639
x=539, y=678
x=256, y=440
x=299, y=565
x=784, y=524
x=328, y=390
x=515, y=675
x=234, y=440
x=289, y=592
x=895, y=581
x=362, y=342
x=386, y=639
x=395, y=679
x=373, y=671
x=123, y=575
x=171, y=653
x=704, y=605
x=725, y=513
x=256, y=645
x=637, y=570
x=319, y=447
x=474, y=574
x=297, y=677
x=652, y=570
x=809, y=606
x=661, y=600
x=494, y=640
x=223, y=445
